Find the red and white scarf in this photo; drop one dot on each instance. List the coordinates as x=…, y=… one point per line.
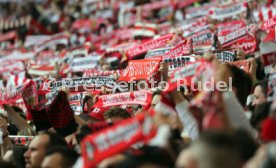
x=140, y=69
x=80, y=64
x=137, y=97
x=149, y=45
x=242, y=64
x=60, y=38
x=228, y=11
x=117, y=138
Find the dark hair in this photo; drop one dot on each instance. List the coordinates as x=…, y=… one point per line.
x=54, y=139
x=69, y=156
x=17, y=157
x=5, y=164
x=218, y=139
x=220, y=147
x=85, y=99
x=264, y=85
x=78, y=74
x=260, y=74
x=116, y=112
x=91, y=128
x=146, y=155
x=246, y=143
x=242, y=82
x=259, y=114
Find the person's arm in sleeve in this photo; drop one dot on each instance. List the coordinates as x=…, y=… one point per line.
x=15, y=118
x=189, y=122
x=236, y=113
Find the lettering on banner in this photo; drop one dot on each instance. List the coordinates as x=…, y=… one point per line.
x=140, y=96
x=186, y=71
x=229, y=11
x=183, y=48
x=157, y=52
x=96, y=81
x=113, y=137
x=152, y=44
x=178, y=62
x=75, y=97
x=246, y=30
x=268, y=23
x=116, y=99
x=226, y=56
x=140, y=69
x=269, y=59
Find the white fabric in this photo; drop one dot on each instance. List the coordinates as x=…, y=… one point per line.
x=236, y=113
x=162, y=137
x=78, y=163
x=187, y=119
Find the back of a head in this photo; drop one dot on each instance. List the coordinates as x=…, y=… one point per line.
x=18, y=156
x=55, y=139
x=264, y=85
x=216, y=150
x=259, y=114
x=117, y=112
x=242, y=82
x=246, y=143
x=91, y=128
x=147, y=156
x=69, y=156
x=5, y=164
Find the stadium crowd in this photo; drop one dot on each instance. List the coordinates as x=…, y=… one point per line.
x=137, y=84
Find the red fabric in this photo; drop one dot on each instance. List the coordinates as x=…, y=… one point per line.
x=269, y=59
x=30, y=98
x=214, y=111
x=145, y=28
x=137, y=97
x=248, y=44
x=184, y=74
x=115, y=139
x=183, y=48
x=140, y=69
x=97, y=126
x=267, y=24
x=268, y=132
x=228, y=27
x=59, y=111
x=98, y=113
x=8, y=36
x=42, y=29
x=242, y=64
x=270, y=37
x=82, y=24
x=236, y=35
x=149, y=45
x=61, y=116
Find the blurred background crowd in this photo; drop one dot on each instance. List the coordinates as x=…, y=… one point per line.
x=47, y=125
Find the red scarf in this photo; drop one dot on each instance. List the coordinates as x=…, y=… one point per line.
x=115, y=139
x=137, y=97
x=140, y=69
